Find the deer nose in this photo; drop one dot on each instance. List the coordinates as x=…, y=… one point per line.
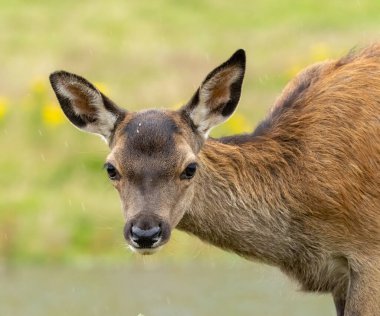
x=145, y=238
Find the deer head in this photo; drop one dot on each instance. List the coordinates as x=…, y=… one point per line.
x=153, y=159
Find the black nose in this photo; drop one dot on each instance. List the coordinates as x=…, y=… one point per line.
x=145, y=238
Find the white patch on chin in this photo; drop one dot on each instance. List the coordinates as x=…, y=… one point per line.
x=144, y=251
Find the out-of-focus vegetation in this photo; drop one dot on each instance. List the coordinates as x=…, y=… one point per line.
x=56, y=204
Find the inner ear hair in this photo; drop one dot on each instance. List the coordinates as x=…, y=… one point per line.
x=217, y=87
x=217, y=97
x=84, y=97
x=84, y=105
x=219, y=92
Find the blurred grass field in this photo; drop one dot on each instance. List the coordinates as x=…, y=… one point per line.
x=56, y=203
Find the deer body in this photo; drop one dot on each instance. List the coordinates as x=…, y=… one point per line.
x=302, y=192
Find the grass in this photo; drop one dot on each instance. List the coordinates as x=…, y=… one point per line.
x=56, y=203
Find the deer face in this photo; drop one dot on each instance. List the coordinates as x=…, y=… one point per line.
x=153, y=164
x=153, y=160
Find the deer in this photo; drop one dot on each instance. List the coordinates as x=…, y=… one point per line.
x=301, y=192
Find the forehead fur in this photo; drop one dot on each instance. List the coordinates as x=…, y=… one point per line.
x=151, y=132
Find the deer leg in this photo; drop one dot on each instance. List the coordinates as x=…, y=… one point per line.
x=363, y=297
x=340, y=304
x=340, y=295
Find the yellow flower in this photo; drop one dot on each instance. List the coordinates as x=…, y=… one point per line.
x=293, y=71
x=52, y=114
x=102, y=87
x=3, y=106
x=39, y=86
x=320, y=51
x=238, y=124
x=177, y=105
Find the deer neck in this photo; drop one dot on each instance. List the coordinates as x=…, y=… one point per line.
x=241, y=200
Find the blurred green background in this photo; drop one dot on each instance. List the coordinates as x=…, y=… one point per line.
x=60, y=219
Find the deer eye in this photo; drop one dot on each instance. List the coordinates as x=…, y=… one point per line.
x=112, y=172
x=189, y=171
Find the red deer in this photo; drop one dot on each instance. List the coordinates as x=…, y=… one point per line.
x=302, y=192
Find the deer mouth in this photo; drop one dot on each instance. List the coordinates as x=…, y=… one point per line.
x=145, y=251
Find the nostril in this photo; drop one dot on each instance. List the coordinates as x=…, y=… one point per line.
x=134, y=235
x=139, y=235
x=157, y=235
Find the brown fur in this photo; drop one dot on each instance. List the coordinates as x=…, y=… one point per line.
x=304, y=195
x=302, y=192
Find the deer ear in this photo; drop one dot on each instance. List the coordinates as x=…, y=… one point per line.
x=84, y=105
x=217, y=97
